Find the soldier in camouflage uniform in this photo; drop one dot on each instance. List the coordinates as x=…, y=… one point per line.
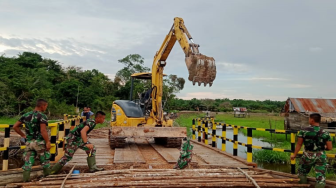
x=77, y=138
x=37, y=141
x=316, y=141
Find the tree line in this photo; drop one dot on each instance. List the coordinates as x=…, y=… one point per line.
x=28, y=76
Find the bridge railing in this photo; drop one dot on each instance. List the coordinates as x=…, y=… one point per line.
x=202, y=125
x=58, y=131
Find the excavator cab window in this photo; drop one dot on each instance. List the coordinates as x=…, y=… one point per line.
x=113, y=115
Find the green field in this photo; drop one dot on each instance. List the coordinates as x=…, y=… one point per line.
x=254, y=120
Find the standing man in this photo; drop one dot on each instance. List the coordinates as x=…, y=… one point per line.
x=37, y=140
x=77, y=138
x=89, y=111
x=86, y=113
x=316, y=141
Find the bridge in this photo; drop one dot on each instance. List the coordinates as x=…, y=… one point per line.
x=142, y=163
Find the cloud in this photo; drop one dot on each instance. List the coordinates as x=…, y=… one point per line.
x=110, y=76
x=315, y=49
x=260, y=79
x=62, y=47
x=299, y=86
x=231, y=67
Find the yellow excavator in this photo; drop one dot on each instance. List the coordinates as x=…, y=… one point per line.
x=145, y=118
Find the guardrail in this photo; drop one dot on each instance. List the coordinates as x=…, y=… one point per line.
x=203, y=125
x=57, y=140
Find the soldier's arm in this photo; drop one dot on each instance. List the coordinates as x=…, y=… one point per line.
x=298, y=147
x=17, y=129
x=84, y=133
x=84, y=137
x=329, y=145
x=44, y=133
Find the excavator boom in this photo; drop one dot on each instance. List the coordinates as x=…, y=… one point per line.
x=128, y=119
x=201, y=68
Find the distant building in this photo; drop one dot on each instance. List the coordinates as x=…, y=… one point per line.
x=297, y=110
x=239, y=111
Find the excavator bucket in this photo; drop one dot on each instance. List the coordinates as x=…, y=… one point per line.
x=202, y=69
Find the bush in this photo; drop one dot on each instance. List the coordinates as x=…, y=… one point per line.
x=57, y=110
x=270, y=156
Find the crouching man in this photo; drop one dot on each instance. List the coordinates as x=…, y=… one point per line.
x=77, y=138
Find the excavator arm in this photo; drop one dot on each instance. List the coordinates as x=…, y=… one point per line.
x=202, y=69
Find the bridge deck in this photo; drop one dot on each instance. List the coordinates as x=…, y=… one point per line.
x=139, y=151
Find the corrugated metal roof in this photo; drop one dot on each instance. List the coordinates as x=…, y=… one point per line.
x=312, y=105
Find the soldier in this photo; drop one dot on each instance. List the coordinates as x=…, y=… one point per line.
x=316, y=141
x=37, y=141
x=77, y=138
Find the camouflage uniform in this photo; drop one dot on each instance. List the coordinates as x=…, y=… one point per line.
x=35, y=145
x=75, y=141
x=314, y=140
x=185, y=155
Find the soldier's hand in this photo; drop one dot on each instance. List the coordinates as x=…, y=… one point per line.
x=292, y=157
x=90, y=146
x=48, y=146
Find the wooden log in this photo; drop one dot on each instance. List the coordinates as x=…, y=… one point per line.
x=63, y=183
x=12, y=176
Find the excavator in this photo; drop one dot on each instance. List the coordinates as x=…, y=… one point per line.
x=145, y=118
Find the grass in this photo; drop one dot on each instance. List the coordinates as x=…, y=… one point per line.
x=269, y=156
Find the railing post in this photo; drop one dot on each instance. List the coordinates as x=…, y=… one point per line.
x=206, y=139
x=61, y=134
x=73, y=124
x=224, y=137
x=199, y=130
x=67, y=127
x=293, y=150
x=249, y=144
x=214, y=135
x=6, y=152
x=193, y=130
x=235, y=139
x=203, y=131
x=53, y=138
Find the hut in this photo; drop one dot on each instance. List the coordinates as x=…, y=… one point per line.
x=239, y=111
x=297, y=110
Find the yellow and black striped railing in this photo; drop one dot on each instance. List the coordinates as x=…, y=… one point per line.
x=58, y=131
x=203, y=125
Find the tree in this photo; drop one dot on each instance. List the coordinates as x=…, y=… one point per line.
x=208, y=103
x=133, y=63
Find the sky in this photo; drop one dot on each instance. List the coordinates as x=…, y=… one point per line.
x=263, y=49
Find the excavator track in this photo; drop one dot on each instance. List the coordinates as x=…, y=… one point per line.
x=171, y=142
x=116, y=141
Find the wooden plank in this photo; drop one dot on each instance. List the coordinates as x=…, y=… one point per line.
x=171, y=155
x=214, y=157
x=149, y=132
x=129, y=154
x=236, y=158
x=104, y=154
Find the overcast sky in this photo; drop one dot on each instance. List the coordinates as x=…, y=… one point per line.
x=263, y=49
